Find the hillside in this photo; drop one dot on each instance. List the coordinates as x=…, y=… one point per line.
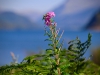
x=10, y=20
x=94, y=23
x=73, y=20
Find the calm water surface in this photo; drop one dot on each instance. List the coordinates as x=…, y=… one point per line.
x=20, y=42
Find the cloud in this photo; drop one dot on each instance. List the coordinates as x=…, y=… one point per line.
x=74, y=6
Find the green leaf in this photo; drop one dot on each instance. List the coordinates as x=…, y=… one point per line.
x=48, y=40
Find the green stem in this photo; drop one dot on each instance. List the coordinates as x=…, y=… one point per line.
x=53, y=31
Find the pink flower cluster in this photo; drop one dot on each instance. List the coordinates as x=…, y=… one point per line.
x=47, y=17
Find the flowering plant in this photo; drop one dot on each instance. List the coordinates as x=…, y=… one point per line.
x=55, y=60
x=48, y=18
x=52, y=34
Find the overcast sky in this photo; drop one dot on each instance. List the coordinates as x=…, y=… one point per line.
x=41, y=6
x=30, y=5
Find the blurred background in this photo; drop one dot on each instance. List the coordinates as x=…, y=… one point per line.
x=22, y=28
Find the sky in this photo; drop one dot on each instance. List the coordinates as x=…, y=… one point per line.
x=30, y=5
x=42, y=6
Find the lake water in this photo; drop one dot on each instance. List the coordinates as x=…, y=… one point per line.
x=22, y=42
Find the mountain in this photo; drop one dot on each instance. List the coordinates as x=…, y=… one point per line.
x=74, y=21
x=73, y=16
x=10, y=20
x=32, y=15
x=94, y=23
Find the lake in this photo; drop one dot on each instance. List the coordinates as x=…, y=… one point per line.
x=21, y=42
